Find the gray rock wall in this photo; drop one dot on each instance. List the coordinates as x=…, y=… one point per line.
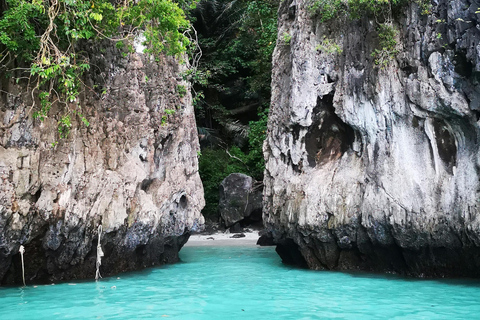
x=133, y=171
x=370, y=168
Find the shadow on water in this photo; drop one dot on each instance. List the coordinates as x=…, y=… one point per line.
x=268, y=257
x=271, y=258
x=244, y=282
x=467, y=282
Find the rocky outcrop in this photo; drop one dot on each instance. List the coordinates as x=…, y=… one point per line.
x=240, y=200
x=133, y=171
x=377, y=168
x=265, y=239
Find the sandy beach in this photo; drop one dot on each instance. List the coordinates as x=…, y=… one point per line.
x=222, y=239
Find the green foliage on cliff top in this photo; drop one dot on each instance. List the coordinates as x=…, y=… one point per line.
x=44, y=36
x=381, y=11
x=388, y=45
x=354, y=9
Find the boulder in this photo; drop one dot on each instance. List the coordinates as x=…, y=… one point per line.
x=236, y=228
x=240, y=199
x=238, y=235
x=266, y=239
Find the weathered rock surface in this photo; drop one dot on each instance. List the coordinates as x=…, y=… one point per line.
x=239, y=199
x=377, y=169
x=265, y=239
x=133, y=171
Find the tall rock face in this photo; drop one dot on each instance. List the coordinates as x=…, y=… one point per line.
x=133, y=171
x=377, y=168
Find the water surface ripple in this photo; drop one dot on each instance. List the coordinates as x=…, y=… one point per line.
x=243, y=283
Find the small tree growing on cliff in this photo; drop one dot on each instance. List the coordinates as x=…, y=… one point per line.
x=380, y=11
x=44, y=37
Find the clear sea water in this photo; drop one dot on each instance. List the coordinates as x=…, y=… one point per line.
x=243, y=283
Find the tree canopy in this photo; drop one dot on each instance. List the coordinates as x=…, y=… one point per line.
x=42, y=36
x=237, y=38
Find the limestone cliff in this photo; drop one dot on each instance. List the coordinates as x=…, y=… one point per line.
x=133, y=171
x=371, y=168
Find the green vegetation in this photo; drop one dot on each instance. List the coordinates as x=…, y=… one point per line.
x=215, y=164
x=286, y=37
x=425, y=6
x=381, y=11
x=181, y=90
x=237, y=39
x=45, y=37
x=168, y=112
x=354, y=9
x=326, y=9
x=329, y=46
x=388, y=44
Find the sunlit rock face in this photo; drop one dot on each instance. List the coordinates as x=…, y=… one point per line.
x=133, y=171
x=377, y=168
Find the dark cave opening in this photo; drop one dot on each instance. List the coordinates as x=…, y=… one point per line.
x=328, y=137
x=290, y=253
x=447, y=148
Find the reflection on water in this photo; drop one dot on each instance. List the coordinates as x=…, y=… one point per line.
x=243, y=283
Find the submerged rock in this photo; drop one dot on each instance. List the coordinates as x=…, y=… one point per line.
x=240, y=200
x=133, y=171
x=377, y=168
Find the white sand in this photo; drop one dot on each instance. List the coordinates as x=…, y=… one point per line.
x=222, y=240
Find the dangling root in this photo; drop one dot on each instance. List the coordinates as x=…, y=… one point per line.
x=99, y=253
x=22, y=250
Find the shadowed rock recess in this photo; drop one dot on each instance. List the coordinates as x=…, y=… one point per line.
x=370, y=168
x=133, y=171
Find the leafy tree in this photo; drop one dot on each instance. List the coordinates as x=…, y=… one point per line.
x=237, y=39
x=44, y=36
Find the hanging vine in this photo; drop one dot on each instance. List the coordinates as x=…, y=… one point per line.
x=44, y=36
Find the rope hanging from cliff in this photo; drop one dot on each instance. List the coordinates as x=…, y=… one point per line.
x=22, y=250
x=99, y=253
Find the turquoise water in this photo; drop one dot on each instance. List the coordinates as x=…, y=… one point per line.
x=243, y=283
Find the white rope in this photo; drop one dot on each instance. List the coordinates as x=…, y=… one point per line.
x=22, y=250
x=99, y=253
